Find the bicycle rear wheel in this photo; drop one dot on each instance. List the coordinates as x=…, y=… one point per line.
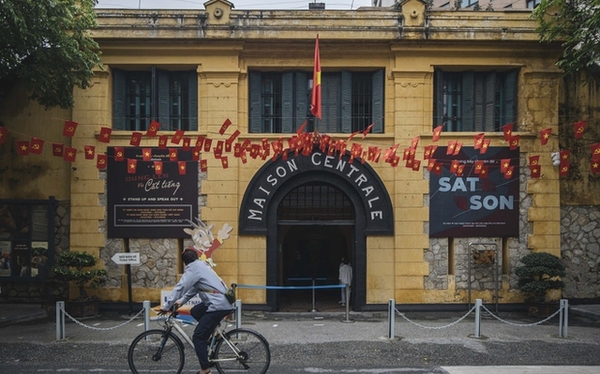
x=248, y=352
x=156, y=351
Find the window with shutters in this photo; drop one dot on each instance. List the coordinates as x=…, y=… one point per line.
x=279, y=102
x=474, y=100
x=169, y=97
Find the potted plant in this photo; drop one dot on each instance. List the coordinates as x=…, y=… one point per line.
x=540, y=279
x=77, y=267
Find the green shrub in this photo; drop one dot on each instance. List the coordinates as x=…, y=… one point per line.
x=540, y=272
x=70, y=268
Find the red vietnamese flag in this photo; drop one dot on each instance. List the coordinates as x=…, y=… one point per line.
x=186, y=144
x=196, y=152
x=22, y=147
x=534, y=160
x=437, y=169
x=367, y=130
x=101, y=161
x=36, y=146
x=478, y=141
x=514, y=142
x=507, y=131
x=595, y=167
x=146, y=154
x=203, y=165
x=136, y=139
x=457, y=148
x=69, y=129
x=176, y=139
x=504, y=165
x=437, y=132
x=536, y=170
x=233, y=136
x=414, y=143
x=579, y=128
x=564, y=156
x=224, y=126
x=181, y=166
x=158, y=167
x=595, y=149
x=105, y=134
x=454, y=166
x=416, y=165
x=131, y=165
x=58, y=149
x=484, y=173
x=119, y=154
x=315, y=101
x=225, y=162
x=153, y=129
x=218, y=150
x=451, y=146
x=228, y=148
x=563, y=169
x=173, y=154
x=89, y=152
x=162, y=141
x=545, y=136
x=485, y=146
x=3, y=132
x=70, y=154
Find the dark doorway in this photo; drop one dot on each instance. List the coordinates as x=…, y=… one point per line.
x=311, y=254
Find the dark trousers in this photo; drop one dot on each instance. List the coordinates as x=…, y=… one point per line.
x=207, y=322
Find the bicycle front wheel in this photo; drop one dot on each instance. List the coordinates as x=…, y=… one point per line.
x=243, y=351
x=156, y=351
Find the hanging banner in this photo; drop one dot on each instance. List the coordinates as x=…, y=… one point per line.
x=474, y=194
x=150, y=203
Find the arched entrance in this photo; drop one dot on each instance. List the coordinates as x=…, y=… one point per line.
x=302, y=204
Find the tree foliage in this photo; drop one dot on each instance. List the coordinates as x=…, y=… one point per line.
x=45, y=46
x=576, y=24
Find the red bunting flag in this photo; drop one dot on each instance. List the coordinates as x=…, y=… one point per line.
x=207, y=144
x=224, y=126
x=131, y=165
x=478, y=166
x=437, y=169
x=158, y=167
x=200, y=141
x=579, y=128
x=478, y=140
x=186, y=144
x=451, y=146
x=146, y=154
x=105, y=133
x=457, y=148
x=485, y=146
x=484, y=173
x=22, y=147
x=454, y=166
x=173, y=154
x=563, y=169
x=431, y=164
x=564, y=156
x=416, y=165
x=460, y=170
x=595, y=167
x=3, y=133
x=196, y=152
x=437, y=132
x=414, y=143
x=301, y=128
x=101, y=161
x=162, y=141
x=315, y=101
x=509, y=172
x=58, y=149
x=203, y=166
x=545, y=136
x=233, y=136
x=177, y=136
x=504, y=165
x=119, y=154
x=36, y=146
x=136, y=139
x=153, y=129
x=69, y=129
x=507, y=131
x=89, y=152
x=70, y=154
x=534, y=160
x=595, y=149
x=225, y=162
x=536, y=170
x=181, y=166
x=367, y=130
x=514, y=142
x=218, y=150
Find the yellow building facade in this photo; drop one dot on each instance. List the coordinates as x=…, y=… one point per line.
x=417, y=68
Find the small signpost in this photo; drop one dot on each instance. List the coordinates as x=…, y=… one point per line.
x=127, y=258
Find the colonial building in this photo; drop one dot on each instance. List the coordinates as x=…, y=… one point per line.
x=418, y=168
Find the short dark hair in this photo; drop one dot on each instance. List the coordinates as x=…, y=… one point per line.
x=189, y=256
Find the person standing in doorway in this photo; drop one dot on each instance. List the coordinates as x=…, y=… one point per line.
x=345, y=276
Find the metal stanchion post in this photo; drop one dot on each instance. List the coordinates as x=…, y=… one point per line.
x=478, y=318
x=146, y=305
x=347, y=304
x=564, y=318
x=313, y=295
x=238, y=314
x=60, y=320
x=391, y=318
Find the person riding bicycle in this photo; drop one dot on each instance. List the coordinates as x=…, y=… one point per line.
x=200, y=279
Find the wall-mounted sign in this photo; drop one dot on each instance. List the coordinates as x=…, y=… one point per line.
x=148, y=204
x=465, y=203
x=128, y=258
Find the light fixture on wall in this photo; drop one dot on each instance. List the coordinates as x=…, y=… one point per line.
x=555, y=158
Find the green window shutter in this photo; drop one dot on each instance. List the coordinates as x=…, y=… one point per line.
x=378, y=96
x=438, y=100
x=490, y=96
x=287, y=102
x=255, y=94
x=302, y=98
x=193, y=100
x=331, y=103
x=510, y=102
x=119, y=99
x=346, y=103
x=467, y=91
x=479, y=102
x=163, y=99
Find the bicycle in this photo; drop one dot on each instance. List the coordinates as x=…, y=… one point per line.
x=162, y=351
